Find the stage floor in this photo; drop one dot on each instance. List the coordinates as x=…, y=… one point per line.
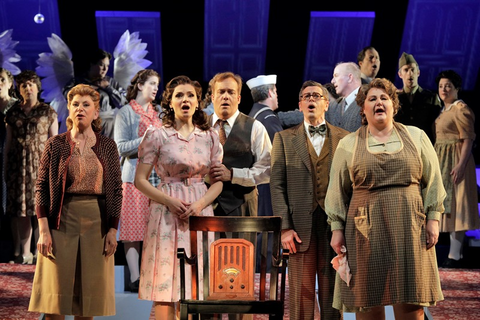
x=461, y=288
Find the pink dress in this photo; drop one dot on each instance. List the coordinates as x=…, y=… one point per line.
x=181, y=164
x=133, y=221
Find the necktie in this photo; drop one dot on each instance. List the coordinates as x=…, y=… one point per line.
x=221, y=131
x=344, y=106
x=322, y=129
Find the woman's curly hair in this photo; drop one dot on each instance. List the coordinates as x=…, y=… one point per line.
x=141, y=77
x=85, y=90
x=379, y=83
x=199, y=118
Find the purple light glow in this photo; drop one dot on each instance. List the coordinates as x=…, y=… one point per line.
x=127, y=14
x=342, y=14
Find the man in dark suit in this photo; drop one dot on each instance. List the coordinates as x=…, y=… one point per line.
x=301, y=160
x=246, y=149
x=419, y=107
x=345, y=113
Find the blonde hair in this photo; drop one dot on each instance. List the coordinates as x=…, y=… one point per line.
x=85, y=90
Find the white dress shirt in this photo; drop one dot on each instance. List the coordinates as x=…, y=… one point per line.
x=350, y=98
x=261, y=147
x=317, y=140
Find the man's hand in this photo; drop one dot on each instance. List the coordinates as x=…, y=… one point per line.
x=219, y=172
x=288, y=240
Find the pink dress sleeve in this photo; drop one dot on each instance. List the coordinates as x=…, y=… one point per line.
x=149, y=148
x=217, y=148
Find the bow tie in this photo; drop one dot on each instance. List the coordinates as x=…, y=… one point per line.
x=322, y=129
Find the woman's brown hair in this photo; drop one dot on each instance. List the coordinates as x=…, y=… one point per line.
x=199, y=118
x=379, y=83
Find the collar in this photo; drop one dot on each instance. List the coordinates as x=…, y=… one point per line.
x=351, y=97
x=170, y=131
x=414, y=90
x=306, y=125
x=230, y=120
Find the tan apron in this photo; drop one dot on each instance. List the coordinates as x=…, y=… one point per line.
x=385, y=229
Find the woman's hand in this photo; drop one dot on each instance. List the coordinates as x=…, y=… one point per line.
x=110, y=242
x=193, y=209
x=44, y=244
x=432, y=233
x=176, y=206
x=338, y=240
x=458, y=173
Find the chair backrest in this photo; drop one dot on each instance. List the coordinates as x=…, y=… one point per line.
x=246, y=228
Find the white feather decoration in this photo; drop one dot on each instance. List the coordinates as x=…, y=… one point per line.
x=129, y=58
x=56, y=70
x=8, y=55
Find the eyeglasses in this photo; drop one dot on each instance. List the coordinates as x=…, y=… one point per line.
x=316, y=96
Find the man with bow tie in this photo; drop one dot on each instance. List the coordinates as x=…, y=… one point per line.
x=301, y=160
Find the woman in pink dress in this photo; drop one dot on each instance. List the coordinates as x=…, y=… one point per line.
x=182, y=152
x=131, y=123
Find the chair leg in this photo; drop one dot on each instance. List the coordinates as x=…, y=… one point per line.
x=276, y=316
x=183, y=312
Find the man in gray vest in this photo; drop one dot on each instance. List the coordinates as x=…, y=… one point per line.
x=246, y=146
x=345, y=113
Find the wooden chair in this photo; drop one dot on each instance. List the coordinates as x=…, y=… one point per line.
x=229, y=274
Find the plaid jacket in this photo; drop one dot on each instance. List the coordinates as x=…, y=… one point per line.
x=52, y=175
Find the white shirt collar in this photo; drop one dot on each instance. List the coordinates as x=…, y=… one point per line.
x=306, y=125
x=351, y=97
x=230, y=120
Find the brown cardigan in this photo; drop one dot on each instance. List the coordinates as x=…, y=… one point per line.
x=52, y=174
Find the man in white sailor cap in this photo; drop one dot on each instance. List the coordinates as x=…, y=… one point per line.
x=265, y=98
x=264, y=93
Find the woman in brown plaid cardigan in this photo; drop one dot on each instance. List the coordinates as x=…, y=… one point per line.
x=78, y=202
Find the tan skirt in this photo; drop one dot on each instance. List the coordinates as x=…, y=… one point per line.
x=80, y=281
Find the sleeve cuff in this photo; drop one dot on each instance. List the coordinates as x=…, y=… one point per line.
x=114, y=223
x=41, y=212
x=434, y=215
x=336, y=225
